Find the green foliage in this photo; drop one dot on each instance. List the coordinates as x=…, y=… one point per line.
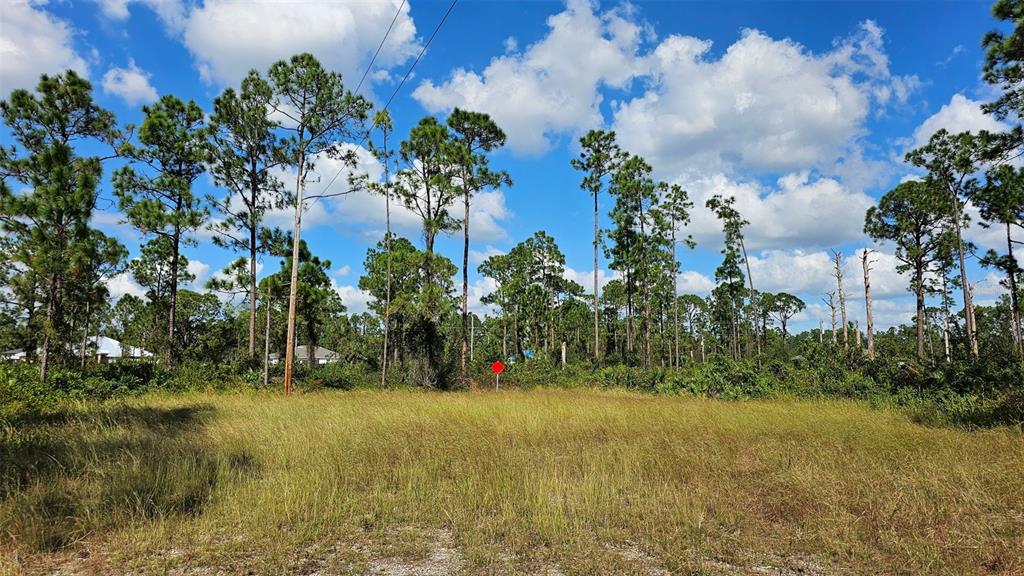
x=55, y=261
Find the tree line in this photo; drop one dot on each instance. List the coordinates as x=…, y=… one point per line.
x=262, y=144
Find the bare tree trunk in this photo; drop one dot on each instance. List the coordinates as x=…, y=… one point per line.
x=266, y=345
x=85, y=334
x=753, y=296
x=972, y=330
x=387, y=237
x=51, y=306
x=463, y=371
x=832, y=306
x=252, y=282
x=1014, y=308
x=293, y=286
x=175, y=262
x=920, y=310
x=629, y=314
x=842, y=297
x=866, y=263
x=597, y=325
x=945, y=320
x=675, y=299
x=645, y=279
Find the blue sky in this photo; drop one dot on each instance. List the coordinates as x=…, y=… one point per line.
x=802, y=110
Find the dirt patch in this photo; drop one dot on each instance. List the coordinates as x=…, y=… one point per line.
x=442, y=558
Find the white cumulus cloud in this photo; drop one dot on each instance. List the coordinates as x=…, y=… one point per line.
x=131, y=84
x=961, y=114
x=800, y=211
x=227, y=38
x=551, y=87
x=33, y=42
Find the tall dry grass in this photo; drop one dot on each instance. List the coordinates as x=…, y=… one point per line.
x=523, y=482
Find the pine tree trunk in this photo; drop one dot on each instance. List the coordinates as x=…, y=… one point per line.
x=945, y=321
x=253, y=306
x=597, y=326
x=675, y=300
x=463, y=371
x=753, y=296
x=919, y=298
x=1012, y=277
x=266, y=345
x=51, y=307
x=85, y=334
x=645, y=280
x=293, y=285
x=972, y=331
x=387, y=281
x=175, y=263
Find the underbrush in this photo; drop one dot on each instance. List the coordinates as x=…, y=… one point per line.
x=980, y=394
x=967, y=395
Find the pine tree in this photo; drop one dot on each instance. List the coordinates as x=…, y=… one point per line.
x=56, y=250
x=244, y=158
x=159, y=200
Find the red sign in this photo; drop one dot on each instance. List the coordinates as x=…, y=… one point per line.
x=497, y=367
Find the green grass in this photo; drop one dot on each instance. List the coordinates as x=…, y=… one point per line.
x=513, y=482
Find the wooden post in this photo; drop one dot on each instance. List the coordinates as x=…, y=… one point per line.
x=563, y=354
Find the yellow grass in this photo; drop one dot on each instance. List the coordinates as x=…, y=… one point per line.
x=531, y=482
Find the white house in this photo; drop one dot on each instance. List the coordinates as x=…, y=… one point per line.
x=100, y=348
x=105, y=349
x=321, y=355
x=16, y=355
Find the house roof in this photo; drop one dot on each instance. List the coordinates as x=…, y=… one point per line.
x=301, y=353
x=111, y=348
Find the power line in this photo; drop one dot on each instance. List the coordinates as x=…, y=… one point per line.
x=379, y=46
x=420, y=55
x=395, y=92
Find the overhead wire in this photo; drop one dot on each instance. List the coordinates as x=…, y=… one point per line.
x=394, y=93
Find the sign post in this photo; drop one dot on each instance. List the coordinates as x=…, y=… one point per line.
x=497, y=368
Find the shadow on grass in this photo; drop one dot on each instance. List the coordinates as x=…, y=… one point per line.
x=69, y=474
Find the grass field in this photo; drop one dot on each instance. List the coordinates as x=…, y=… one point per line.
x=505, y=483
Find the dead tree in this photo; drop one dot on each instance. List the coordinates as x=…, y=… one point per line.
x=838, y=273
x=832, y=306
x=866, y=262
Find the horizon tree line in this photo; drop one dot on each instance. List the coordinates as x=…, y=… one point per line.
x=282, y=124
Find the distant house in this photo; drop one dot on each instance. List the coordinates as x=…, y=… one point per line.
x=100, y=348
x=321, y=355
x=15, y=355
x=104, y=349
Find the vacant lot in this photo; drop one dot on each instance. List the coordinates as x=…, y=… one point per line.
x=512, y=482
